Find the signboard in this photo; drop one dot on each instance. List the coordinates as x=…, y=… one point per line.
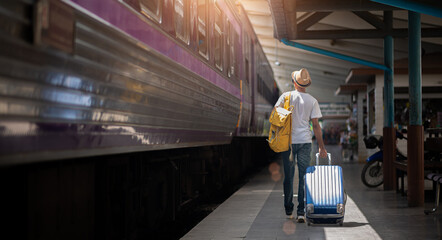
x=335, y=110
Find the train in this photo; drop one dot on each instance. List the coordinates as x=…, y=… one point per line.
x=116, y=114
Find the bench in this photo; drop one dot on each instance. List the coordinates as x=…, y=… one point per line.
x=401, y=171
x=437, y=179
x=432, y=161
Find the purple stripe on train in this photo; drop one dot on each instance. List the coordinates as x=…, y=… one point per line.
x=122, y=18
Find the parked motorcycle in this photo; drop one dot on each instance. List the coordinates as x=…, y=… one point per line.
x=372, y=173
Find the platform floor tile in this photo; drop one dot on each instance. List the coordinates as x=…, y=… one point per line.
x=256, y=212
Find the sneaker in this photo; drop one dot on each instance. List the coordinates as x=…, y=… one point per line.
x=289, y=214
x=300, y=219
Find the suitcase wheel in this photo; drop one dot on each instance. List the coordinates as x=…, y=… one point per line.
x=341, y=223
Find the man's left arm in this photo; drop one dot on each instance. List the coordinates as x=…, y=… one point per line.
x=318, y=134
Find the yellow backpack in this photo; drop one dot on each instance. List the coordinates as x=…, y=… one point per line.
x=281, y=127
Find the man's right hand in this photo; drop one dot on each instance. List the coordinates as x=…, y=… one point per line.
x=322, y=153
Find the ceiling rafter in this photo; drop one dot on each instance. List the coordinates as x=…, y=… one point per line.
x=277, y=10
x=370, y=18
x=314, y=18
x=364, y=17
x=290, y=18
x=295, y=30
x=339, y=5
x=365, y=33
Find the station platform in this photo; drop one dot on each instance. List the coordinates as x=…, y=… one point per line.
x=256, y=212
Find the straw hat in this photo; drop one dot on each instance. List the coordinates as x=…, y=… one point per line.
x=302, y=77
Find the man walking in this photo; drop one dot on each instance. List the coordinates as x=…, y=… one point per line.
x=306, y=108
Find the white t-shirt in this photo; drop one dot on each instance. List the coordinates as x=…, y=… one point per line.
x=305, y=108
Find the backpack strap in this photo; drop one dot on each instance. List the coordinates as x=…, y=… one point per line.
x=290, y=108
x=287, y=101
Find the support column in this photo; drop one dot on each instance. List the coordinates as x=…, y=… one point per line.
x=389, y=133
x=415, y=145
x=362, y=151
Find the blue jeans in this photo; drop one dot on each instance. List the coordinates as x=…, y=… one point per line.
x=301, y=152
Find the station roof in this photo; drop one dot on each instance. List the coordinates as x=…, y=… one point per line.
x=352, y=28
x=431, y=64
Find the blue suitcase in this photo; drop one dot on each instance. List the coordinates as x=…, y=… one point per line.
x=324, y=193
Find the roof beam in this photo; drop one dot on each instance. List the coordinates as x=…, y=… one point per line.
x=290, y=17
x=372, y=53
x=370, y=18
x=433, y=8
x=364, y=33
x=278, y=16
x=339, y=5
x=400, y=45
x=308, y=22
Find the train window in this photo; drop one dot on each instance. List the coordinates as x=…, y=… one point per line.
x=234, y=47
x=246, y=45
x=262, y=87
x=247, y=67
x=259, y=84
x=202, y=28
x=218, y=35
x=151, y=8
x=231, y=42
x=181, y=20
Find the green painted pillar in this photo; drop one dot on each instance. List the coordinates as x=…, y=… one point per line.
x=415, y=145
x=389, y=135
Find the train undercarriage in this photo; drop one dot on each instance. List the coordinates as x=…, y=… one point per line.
x=125, y=196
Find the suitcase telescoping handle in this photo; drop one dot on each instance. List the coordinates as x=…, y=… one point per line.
x=329, y=158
